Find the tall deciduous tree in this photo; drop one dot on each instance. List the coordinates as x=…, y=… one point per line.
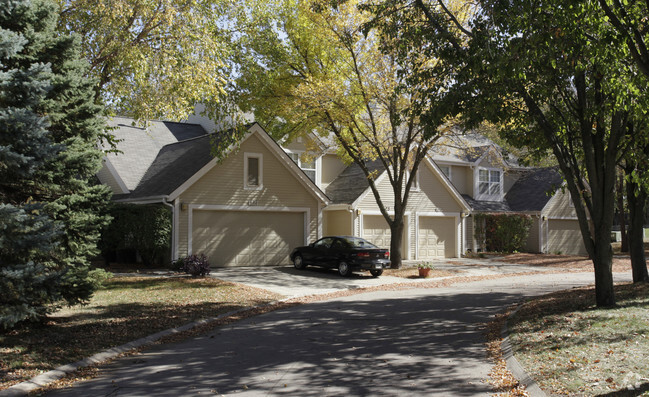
x=630, y=19
x=49, y=124
x=307, y=67
x=151, y=58
x=555, y=76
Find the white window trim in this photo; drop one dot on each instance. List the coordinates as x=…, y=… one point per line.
x=487, y=196
x=260, y=157
x=450, y=171
x=317, y=163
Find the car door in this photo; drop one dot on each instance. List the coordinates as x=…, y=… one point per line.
x=320, y=251
x=336, y=253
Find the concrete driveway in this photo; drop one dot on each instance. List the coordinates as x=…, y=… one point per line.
x=418, y=342
x=290, y=282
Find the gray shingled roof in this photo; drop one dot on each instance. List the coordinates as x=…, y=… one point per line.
x=533, y=190
x=530, y=193
x=351, y=183
x=174, y=165
x=487, y=206
x=140, y=145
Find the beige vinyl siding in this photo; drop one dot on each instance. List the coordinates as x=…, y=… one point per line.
x=560, y=206
x=223, y=185
x=332, y=166
x=532, y=244
x=337, y=223
x=106, y=177
x=432, y=196
x=491, y=160
x=564, y=236
x=295, y=145
x=461, y=179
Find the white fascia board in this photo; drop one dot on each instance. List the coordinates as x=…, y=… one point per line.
x=289, y=163
x=451, y=189
x=207, y=167
x=145, y=200
x=273, y=147
x=367, y=191
x=115, y=174
x=337, y=207
x=492, y=148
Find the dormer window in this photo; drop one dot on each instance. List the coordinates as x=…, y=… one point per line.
x=489, y=184
x=308, y=167
x=446, y=170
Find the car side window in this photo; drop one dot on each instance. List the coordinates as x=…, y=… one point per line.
x=338, y=245
x=324, y=243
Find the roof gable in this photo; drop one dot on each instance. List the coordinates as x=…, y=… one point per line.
x=533, y=190
x=140, y=146
x=350, y=184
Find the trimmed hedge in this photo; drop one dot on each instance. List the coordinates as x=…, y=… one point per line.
x=501, y=232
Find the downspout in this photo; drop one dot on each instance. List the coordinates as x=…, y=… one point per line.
x=173, y=228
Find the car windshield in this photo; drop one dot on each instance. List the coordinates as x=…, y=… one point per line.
x=359, y=243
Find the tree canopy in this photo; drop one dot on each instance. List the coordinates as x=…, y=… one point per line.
x=553, y=75
x=307, y=67
x=150, y=58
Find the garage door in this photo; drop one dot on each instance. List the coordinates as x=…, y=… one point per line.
x=436, y=237
x=245, y=238
x=377, y=231
x=564, y=236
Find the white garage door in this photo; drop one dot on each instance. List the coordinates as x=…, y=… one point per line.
x=246, y=238
x=377, y=231
x=564, y=236
x=436, y=237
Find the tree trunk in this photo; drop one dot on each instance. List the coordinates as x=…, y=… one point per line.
x=603, y=265
x=396, y=230
x=622, y=218
x=637, y=198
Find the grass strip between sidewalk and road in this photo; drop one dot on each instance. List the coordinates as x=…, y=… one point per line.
x=124, y=309
x=571, y=347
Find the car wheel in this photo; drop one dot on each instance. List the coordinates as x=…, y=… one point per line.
x=298, y=262
x=344, y=269
x=376, y=272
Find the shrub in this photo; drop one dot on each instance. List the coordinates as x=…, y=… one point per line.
x=177, y=265
x=502, y=232
x=143, y=228
x=425, y=265
x=196, y=265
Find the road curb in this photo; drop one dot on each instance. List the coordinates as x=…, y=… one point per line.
x=514, y=366
x=44, y=379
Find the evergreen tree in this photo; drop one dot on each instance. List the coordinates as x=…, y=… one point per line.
x=50, y=211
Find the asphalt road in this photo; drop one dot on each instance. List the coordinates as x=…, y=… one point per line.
x=420, y=342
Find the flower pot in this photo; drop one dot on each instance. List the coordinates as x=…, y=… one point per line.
x=424, y=272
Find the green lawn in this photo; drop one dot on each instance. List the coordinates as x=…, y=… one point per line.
x=572, y=348
x=125, y=309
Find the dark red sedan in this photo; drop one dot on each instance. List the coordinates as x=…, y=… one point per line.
x=347, y=254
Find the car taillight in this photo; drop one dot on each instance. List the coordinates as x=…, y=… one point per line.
x=363, y=255
x=386, y=255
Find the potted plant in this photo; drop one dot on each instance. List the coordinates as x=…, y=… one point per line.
x=425, y=268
